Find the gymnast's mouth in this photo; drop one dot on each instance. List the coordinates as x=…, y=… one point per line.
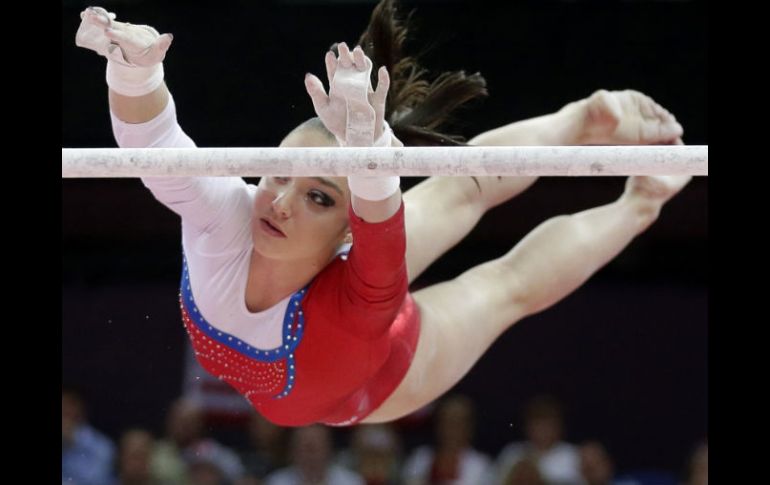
x=270, y=228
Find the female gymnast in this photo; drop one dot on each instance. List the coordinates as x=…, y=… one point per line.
x=295, y=291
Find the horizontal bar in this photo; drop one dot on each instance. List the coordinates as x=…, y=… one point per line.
x=407, y=161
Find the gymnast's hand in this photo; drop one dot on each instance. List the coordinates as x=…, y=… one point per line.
x=352, y=111
x=124, y=43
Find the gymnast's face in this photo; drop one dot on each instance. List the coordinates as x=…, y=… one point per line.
x=301, y=218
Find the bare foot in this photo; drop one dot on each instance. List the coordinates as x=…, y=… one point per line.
x=628, y=118
x=659, y=188
x=649, y=193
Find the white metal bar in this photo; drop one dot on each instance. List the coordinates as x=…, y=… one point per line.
x=407, y=161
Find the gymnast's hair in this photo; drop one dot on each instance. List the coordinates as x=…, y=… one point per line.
x=417, y=108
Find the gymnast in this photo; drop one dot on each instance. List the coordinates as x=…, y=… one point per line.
x=295, y=291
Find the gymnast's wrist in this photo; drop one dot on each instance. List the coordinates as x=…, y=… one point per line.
x=133, y=81
x=376, y=187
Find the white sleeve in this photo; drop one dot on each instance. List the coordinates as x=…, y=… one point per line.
x=204, y=203
x=163, y=131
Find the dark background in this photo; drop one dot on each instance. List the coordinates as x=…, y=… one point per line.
x=627, y=353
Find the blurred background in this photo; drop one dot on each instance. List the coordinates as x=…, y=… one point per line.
x=625, y=356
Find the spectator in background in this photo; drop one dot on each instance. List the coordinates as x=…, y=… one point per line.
x=311, y=454
x=559, y=462
x=210, y=463
x=524, y=472
x=184, y=426
x=183, y=444
x=375, y=454
x=134, y=458
x=86, y=454
x=453, y=460
x=269, y=447
x=597, y=467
